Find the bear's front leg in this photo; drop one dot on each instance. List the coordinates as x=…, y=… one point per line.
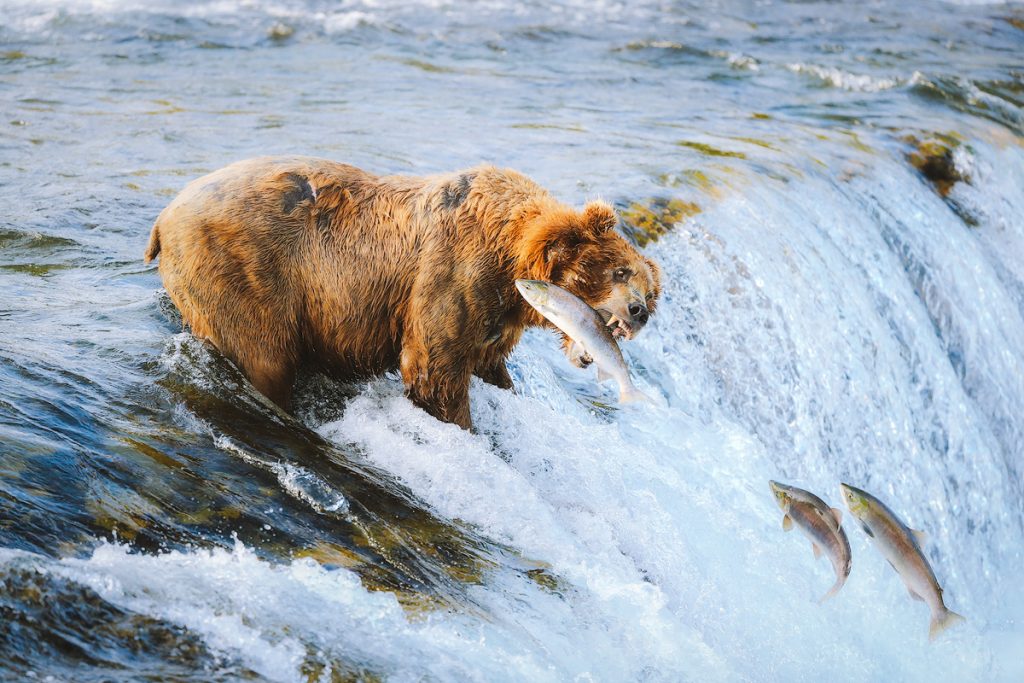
x=436, y=373
x=495, y=372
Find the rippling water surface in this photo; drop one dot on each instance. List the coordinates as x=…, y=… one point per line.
x=834, y=192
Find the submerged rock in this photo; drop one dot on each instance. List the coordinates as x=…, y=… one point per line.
x=645, y=223
x=933, y=158
x=280, y=31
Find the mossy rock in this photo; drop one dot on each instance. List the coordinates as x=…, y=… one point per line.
x=646, y=222
x=548, y=581
x=932, y=156
x=689, y=178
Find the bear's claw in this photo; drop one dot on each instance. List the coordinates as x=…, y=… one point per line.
x=578, y=356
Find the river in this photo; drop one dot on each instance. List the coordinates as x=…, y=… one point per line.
x=834, y=192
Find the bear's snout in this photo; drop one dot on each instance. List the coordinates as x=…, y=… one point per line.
x=640, y=315
x=629, y=322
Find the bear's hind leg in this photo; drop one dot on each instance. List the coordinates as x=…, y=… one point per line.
x=275, y=381
x=271, y=369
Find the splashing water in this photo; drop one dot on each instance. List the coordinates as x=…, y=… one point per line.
x=834, y=194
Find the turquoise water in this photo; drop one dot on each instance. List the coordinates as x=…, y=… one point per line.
x=828, y=315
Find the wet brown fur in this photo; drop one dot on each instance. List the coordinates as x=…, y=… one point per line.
x=282, y=261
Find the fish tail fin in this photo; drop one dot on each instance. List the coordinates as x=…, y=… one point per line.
x=832, y=591
x=634, y=395
x=943, y=621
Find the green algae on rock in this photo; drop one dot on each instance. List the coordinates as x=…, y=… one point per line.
x=710, y=151
x=645, y=223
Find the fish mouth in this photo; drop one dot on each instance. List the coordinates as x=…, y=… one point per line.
x=530, y=287
x=779, y=493
x=620, y=329
x=854, y=502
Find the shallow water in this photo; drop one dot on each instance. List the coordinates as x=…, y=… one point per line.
x=827, y=316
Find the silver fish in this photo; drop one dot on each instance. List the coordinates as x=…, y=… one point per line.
x=821, y=524
x=901, y=546
x=583, y=325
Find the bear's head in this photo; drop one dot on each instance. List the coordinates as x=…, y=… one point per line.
x=581, y=252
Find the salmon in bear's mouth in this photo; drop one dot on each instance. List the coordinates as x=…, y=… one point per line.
x=619, y=327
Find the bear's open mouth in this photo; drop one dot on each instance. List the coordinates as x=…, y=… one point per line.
x=619, y=327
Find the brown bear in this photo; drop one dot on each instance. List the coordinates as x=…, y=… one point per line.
x=285, y=261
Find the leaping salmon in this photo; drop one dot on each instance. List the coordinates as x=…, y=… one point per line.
x=821, y=524
x=901, y=546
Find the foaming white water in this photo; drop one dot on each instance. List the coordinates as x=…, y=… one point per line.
x=276, y=618
x=844, y=79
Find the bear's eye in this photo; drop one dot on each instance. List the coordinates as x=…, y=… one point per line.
x=620, y=275
x=650, y=296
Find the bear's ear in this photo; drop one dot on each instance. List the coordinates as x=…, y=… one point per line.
x=599, y=217
x=655, y=273
x=656, y=276
x=552, y=241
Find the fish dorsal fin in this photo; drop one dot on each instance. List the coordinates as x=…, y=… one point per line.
x=837, y=513
x=817, y=550
x=787, y=523
x=919, y=536
x=602, y=375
